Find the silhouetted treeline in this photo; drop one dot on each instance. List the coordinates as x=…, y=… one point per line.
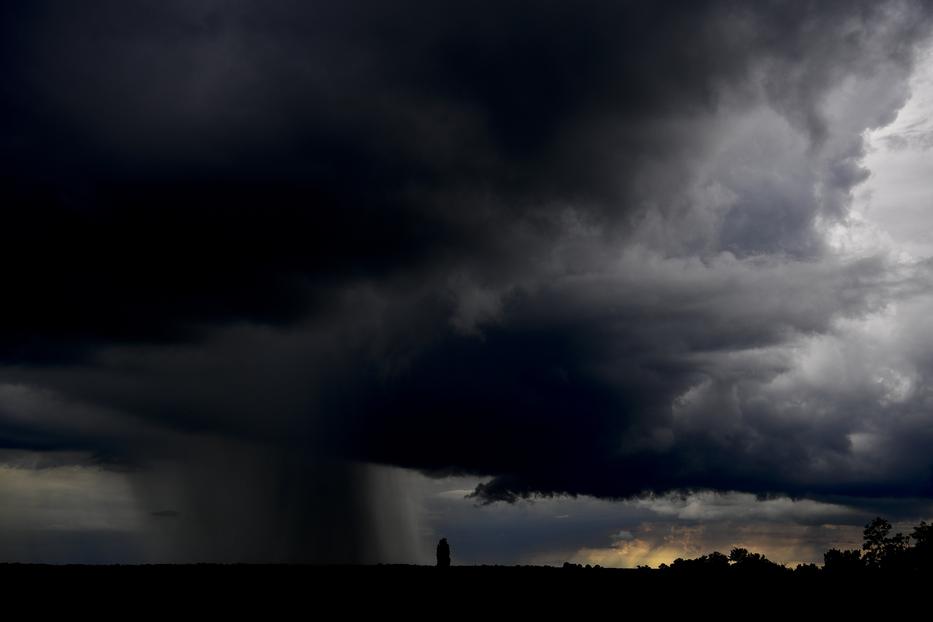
x=881, y=551
x=739, y=561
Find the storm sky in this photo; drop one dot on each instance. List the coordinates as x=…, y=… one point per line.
x=590, y=281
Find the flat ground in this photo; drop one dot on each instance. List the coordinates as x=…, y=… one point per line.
x=277, y=591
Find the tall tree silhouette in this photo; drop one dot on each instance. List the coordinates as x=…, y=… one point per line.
x=882, y=550
x=443, y=553
x=923, y=546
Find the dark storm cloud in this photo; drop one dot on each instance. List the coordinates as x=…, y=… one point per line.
x=587, y=389
x=576, y=247
x=203, y=162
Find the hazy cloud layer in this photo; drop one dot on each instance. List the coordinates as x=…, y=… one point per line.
x=572, y=248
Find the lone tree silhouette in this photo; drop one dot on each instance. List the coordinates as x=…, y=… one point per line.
x=443, y=553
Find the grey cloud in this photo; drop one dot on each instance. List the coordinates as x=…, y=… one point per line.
x=578, y=249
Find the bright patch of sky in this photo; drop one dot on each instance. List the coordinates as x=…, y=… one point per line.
x=894, y=207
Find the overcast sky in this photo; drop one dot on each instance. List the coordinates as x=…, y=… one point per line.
x=325, y=281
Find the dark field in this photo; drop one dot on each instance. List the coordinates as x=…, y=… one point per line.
x=288, y=591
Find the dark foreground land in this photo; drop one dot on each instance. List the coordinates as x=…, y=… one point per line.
x=333, y=592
